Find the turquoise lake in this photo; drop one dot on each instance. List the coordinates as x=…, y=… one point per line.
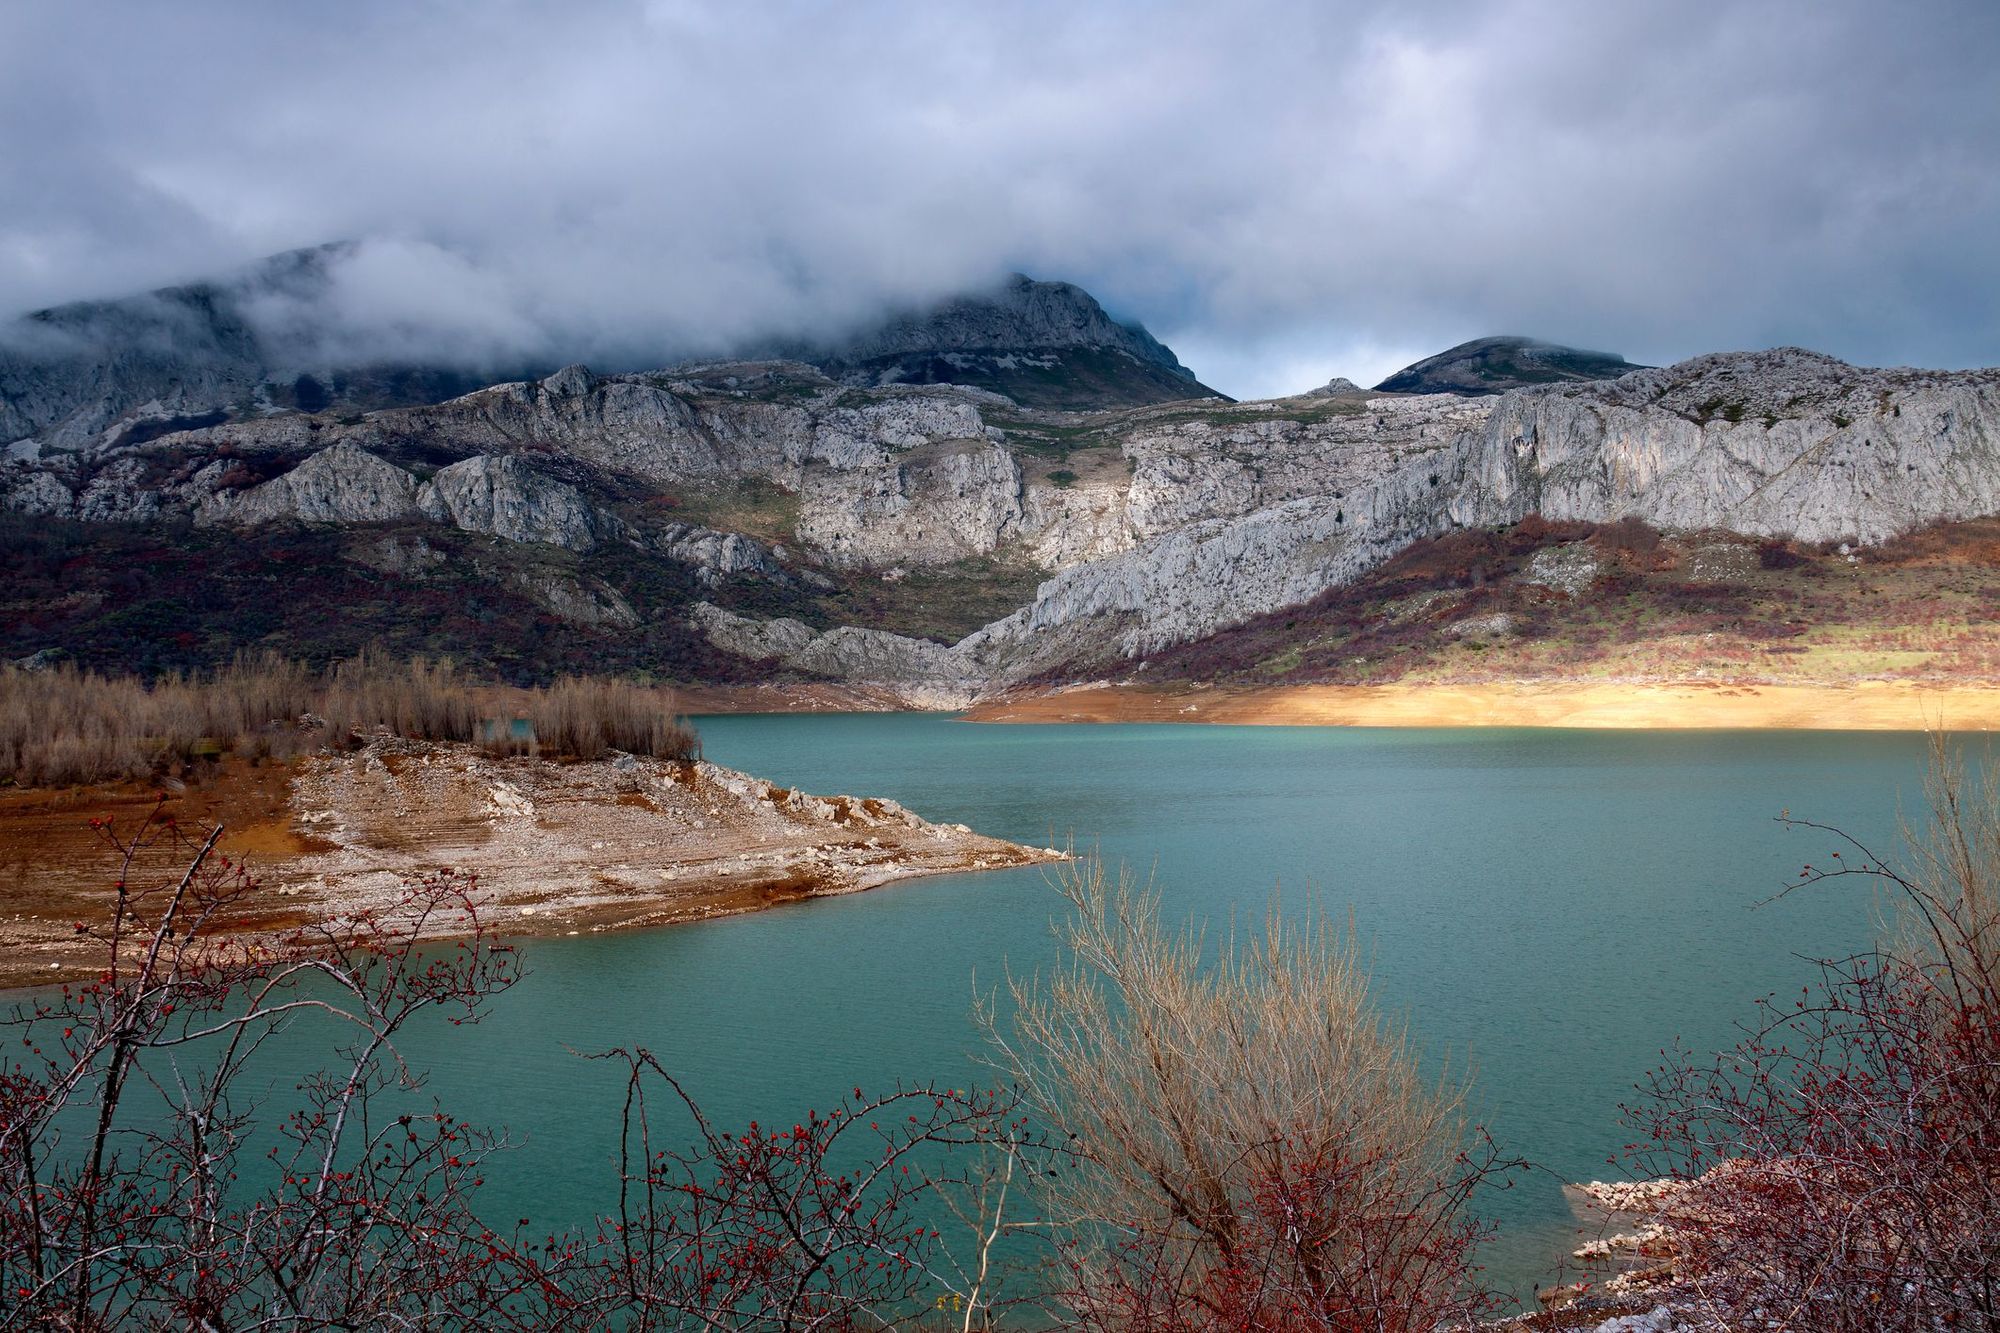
x=1552, y=906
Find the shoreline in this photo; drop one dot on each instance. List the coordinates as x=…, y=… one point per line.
x=1638, y=705
x=1687, y=705
x=1664, y=706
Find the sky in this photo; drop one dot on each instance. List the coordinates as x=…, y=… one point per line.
x=1282, y=192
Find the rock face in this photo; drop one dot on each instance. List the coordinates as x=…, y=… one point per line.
x=717, y=555
x=342, y=484
x=510, y=500
x=934, y=504
x=925, y=673
x=1495, y=365
x=586, y=602
x=503, y=497
x=1785, y=443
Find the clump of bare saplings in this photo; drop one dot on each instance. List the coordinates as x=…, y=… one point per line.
x=1255, y=1145
x=1843, y=1162
x=64, y=726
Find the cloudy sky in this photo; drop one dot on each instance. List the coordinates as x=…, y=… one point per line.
x=1281, y=191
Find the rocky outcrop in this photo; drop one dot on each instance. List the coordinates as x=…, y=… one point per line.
x=716, y=556
x=1495, y=365
x=1086, y=519
x=925, y=674
x=342, y=484
x=588, y=602
x=929, y=506
x=1197, y=579
x=510, y=500
x=1194, y=468
x=1570, y=568
x=1784, y=443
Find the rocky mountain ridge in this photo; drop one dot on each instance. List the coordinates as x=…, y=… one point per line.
x=809, y=515
x=245, y=347
x=166, y=360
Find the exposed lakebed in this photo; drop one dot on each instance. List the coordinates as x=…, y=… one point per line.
x=1555, y=906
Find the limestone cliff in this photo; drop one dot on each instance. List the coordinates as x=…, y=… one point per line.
x=1783, y=443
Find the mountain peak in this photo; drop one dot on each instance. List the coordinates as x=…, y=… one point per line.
x=1507, y=361
x=1044, y=344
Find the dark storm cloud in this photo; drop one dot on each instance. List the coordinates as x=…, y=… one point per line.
x=1281, y=191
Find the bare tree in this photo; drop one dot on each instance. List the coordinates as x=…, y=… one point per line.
x=125, y=1111
x=830, y=1223
x=1257, y=1147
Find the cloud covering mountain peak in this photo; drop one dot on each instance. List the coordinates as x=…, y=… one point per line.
x=1289, y=191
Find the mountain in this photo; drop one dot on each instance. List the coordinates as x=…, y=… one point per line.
x=1495, y=365
x=767, y=520
x=245, y=346
x=1043, y=344
x=195, y=354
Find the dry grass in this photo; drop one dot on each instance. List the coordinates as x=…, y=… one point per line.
x=64, y=726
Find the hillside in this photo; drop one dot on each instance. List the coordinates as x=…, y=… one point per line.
x=1580, y=602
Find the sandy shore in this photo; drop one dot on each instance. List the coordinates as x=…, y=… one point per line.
x=1866, y=706
x=558, y=848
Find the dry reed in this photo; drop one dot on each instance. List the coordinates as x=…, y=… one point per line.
x=66, y=726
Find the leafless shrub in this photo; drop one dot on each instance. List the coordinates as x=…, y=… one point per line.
x=1844, y=1160
x=419, y=699
x=1259, y=1148
x=124, y=1122
x=1631, y=536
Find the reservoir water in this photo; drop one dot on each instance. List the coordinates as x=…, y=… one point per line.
x=1552, y=906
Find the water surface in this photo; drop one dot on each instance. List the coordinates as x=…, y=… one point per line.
x=1553, y=906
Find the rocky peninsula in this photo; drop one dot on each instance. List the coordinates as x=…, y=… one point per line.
x=557, y=848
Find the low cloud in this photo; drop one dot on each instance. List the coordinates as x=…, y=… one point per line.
x=1282, y=191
